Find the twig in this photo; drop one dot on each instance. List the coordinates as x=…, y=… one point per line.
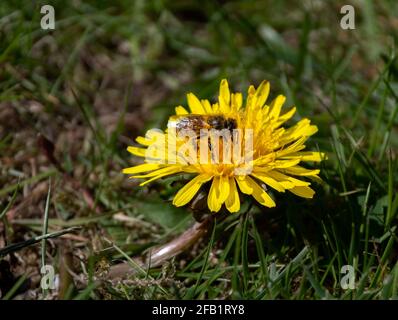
x=165, y=252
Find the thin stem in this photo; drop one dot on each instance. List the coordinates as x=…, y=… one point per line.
x=165, y=252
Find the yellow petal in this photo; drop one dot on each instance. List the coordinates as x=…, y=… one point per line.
x=292, y=148
x=141, y=168
x=281, y=178
x=186, y=193
x=286, y=116
x=155, y=135
x=143, y=141
x=161, y=171
x=262, y=93
x=224, y=189
x=251, y=91
x=309, y=156
x=260, y=194
x=302, y=128
x=244, y=186
x=213, y=201
x=315, y=178
x=136, y=151
x=180, y=110
x=249, y=186
x=237, y=100
x=304, y=192
x=310, y=130
x=151, y=137
x=219, y=191
x=207, y=106
x=281, y=164
x=216, y=107
x=232, y=203
x=300, y=171
x=250, y=103
x=296, y=182
x=194, y=104
x=225, y=95
x=169, y=171
x=276, y=106
x=269, y=181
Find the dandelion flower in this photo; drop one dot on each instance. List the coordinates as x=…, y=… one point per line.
x=272, y=161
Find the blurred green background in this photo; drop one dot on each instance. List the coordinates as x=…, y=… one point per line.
x=72, y=99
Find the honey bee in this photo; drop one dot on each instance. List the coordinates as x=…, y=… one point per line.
x=196, y=122
x=208, y=129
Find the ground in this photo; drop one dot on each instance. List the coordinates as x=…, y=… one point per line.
x=72, y=99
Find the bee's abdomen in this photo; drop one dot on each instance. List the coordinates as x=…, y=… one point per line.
x=220, y=123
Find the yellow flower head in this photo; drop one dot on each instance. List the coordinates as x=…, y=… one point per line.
x=253, y=153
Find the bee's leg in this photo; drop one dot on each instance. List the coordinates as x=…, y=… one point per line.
x=210, y=144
